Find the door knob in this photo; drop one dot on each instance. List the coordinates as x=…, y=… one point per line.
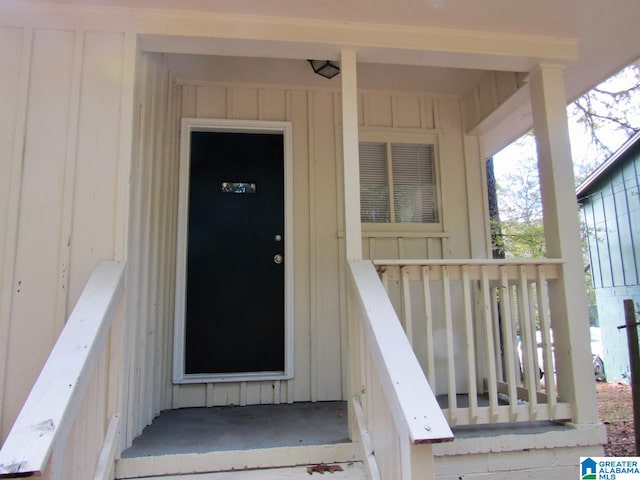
x=277, y=259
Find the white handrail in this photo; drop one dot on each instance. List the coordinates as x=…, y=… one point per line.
x=471, y=261
x=51, y=408
x=403, y=380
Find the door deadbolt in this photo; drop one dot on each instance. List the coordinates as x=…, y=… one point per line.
x=277, y=259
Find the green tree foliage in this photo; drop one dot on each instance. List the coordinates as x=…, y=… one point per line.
x=601, y=120
x=521, y=229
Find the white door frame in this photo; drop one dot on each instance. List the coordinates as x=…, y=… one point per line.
x=232, y=126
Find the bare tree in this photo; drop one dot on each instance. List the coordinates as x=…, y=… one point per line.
x=609, y=114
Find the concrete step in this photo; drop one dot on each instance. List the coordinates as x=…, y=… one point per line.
x=179, y=465
x=336, y=471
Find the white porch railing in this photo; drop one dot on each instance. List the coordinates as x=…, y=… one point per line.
x=396, y=414
x=67, y=428
x=465, y=320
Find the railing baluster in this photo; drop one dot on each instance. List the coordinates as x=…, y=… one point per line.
x=509, y=298
x=507, y=338
x=532, y=314
x=428, y=312
x=400, y=411
x=545, y=331
x=495, y=315
x=471, y=351
x=515, y=328
x=364, y=370
x=406, y=304
x=451, y=366
x=528, y=340
x=487, y=307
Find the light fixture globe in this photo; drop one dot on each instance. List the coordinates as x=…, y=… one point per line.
x=325, y=68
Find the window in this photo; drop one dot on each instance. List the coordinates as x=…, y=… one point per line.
x=397, y=183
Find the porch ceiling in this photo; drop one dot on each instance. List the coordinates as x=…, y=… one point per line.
x=595, y=38
x=605, y=32
x=278, y=71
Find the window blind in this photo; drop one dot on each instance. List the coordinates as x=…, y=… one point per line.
x=413, y=183
x=374, y=183
x=410, y=171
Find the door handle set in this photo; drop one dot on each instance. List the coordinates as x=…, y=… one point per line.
x=277, y=259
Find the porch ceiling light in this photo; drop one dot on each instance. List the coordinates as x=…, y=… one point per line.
x=325, y=68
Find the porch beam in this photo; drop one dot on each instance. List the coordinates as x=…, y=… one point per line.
x=183, y=31
x=351, y=155
x=568, y=302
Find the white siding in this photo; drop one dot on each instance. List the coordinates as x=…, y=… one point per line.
x=319, y=304
x=460, y=178
x=151, y=262
x=68, y=125
x=97, y=146
x=492, y=91
x=318, y=352
x=62, y=112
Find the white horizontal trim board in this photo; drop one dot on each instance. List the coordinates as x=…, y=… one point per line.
x=472, y=261
x=349, y=471
x=300, y=38
x=52, y=406
x=474, y=270
x=191, y=463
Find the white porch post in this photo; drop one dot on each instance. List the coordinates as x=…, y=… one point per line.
x=351, y=162
x=352, y=227
x=562, y=235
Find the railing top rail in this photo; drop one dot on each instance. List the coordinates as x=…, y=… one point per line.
x=51, y=407
x=402, y=377
x=470, y=261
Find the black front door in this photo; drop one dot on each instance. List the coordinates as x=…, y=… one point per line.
x=234, y=318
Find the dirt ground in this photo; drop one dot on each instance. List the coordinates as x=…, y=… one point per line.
x=616, y=412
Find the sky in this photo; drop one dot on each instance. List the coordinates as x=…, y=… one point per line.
x=585, y=156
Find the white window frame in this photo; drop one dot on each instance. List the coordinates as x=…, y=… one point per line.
x=433, y=139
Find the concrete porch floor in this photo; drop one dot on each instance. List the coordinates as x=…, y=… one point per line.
x=220, y=429
x=215, y=429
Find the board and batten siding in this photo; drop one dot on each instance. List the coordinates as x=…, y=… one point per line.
x=461, y=232
x=319, y=323
x=319, y=304
x=69, y=122
x=151, y=247
x=66, y=114
x=611, y=213
x=612, y=216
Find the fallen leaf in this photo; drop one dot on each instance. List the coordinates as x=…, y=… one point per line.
x=323, y=467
